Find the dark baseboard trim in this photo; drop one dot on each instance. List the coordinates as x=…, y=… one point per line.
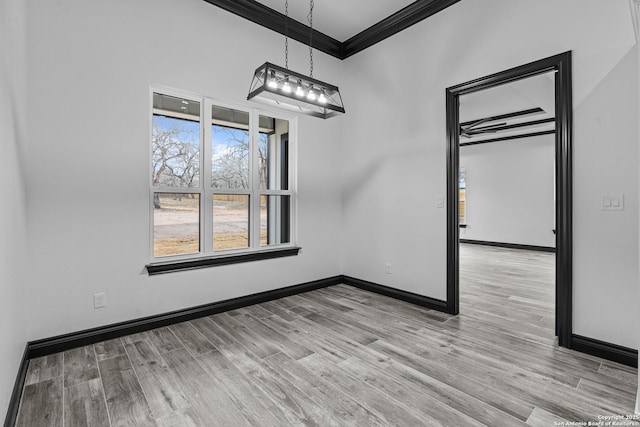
x=605, y=350
x=398, y=294
x=509, y=245
x=14, y=402
x=65, y=342
x=91, y=336
x=60, y=343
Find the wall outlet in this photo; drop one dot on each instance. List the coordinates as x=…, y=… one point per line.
x=387, y=268
x=100, y=300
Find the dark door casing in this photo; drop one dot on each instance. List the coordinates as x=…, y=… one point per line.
x=561, y=65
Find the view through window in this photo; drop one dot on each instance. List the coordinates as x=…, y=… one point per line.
x=462, y=196
x=221, y=178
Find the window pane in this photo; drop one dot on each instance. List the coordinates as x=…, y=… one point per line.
x=273, y=151
x=274, y=220
x=463, y=206
x=230, y=221
x=175, y=142
x=229, y=149
x=176, y=224
x=462, y=196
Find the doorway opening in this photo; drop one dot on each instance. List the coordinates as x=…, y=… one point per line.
x=560, y=65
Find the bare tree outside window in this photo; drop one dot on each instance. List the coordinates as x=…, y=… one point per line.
x=246, y=201
x=229, y=158
x=175, y=165
x=176, y=152
x=263, y=160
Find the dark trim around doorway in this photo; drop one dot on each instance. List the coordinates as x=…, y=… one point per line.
x=561, y=65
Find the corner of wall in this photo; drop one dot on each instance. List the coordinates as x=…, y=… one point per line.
x=13, y=232
x=635, y=15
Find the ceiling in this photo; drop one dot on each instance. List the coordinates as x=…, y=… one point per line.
x=339, y=19
x=504, y=103
x=341, y=28
x=533, y=92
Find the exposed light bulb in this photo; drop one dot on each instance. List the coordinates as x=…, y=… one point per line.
x=286, y=88
x=272, y=84
x=311, y=96
x=272, y=81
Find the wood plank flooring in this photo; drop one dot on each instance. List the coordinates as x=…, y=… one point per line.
x=341, y=356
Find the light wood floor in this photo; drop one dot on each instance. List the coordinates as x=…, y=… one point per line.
x=343, y=356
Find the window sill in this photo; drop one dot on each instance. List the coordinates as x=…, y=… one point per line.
x=193, y=264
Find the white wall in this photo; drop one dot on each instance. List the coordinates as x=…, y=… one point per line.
x=395, y=145
x=637, y=24
x=606, y=242
x=13, y=233
x=90, y=67
x=510, y=194
x=635, y=6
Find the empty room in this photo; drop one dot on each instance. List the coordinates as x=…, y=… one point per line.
x=278, y=212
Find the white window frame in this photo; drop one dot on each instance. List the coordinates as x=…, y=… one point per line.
x=205, y=189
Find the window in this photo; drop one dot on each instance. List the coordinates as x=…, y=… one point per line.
x=221, y=179
x=462, y=197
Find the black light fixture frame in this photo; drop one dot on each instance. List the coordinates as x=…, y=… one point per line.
x=270, y=74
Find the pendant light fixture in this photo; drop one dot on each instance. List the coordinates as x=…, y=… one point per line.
x=279, y=86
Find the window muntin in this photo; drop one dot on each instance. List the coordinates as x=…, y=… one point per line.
x=238, y=171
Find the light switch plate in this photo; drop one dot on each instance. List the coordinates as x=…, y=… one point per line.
x=613, y=202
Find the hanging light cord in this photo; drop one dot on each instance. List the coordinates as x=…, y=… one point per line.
x=286, y=34
x=310, y=19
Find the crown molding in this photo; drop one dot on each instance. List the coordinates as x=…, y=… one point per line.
x=399, y=21
x=265, y=16
x=275, y=21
